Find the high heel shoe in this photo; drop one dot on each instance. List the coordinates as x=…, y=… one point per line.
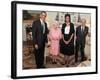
x=67, y=65
x=54, y=62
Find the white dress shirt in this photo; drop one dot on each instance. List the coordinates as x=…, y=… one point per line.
x=67, y=30
x=82, y=28
x=43, y=25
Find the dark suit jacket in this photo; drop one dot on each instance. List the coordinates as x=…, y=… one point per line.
x=81, y=38
x=37, y=33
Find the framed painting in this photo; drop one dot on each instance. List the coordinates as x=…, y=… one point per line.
x=47, y=39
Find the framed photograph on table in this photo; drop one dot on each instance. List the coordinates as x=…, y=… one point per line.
x=40, y=51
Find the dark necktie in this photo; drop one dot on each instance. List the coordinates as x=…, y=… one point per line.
x=43, y=26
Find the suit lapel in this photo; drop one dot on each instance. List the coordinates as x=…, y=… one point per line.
x=80, y=29
x=41, y=28
x=85, y=28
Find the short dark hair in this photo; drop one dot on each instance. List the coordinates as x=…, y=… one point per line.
x=43, y=12
x=68, y=16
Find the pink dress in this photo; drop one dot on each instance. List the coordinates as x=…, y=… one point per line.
x=54, y=36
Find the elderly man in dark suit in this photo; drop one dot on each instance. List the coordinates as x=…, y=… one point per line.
x=39, y=34
x=81, y=33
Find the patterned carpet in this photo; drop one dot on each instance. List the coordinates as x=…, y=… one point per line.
x=29, y=60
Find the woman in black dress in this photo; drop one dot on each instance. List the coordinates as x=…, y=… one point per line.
x=67, y=47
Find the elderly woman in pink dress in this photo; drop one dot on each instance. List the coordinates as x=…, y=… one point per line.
x=54, y=38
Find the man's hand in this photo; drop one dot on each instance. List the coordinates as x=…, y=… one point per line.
x=36, y=46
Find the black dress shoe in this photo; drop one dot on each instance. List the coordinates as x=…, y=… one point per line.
x=84, y=59
x=76, y=60
x=43, y=67
x=62, y=63
x=67, y=66
x=38, y=67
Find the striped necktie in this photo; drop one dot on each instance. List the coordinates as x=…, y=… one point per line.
x=43, y=26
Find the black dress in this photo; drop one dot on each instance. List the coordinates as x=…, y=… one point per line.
x=69, y=48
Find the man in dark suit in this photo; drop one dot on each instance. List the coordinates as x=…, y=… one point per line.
x=39, y=34
x=81, y=33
